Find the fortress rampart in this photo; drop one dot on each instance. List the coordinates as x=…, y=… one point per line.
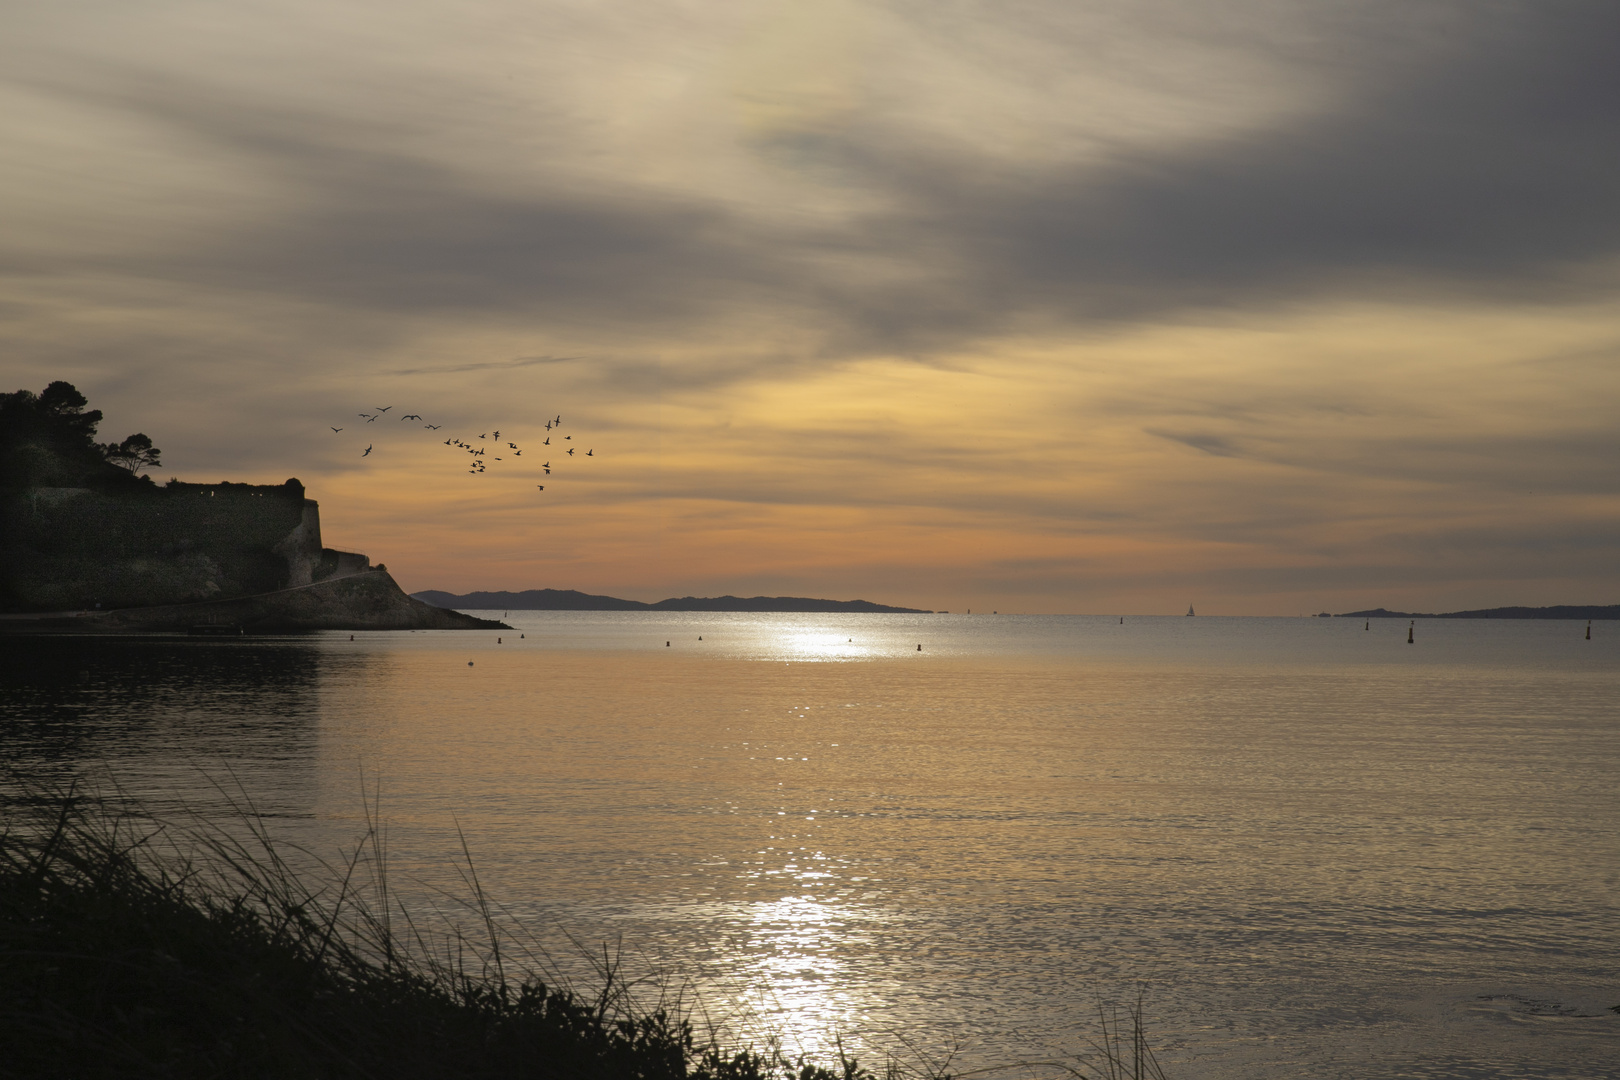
x=64, y=548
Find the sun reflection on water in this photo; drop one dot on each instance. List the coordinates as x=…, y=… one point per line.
x=807, y=645
x=797, y=974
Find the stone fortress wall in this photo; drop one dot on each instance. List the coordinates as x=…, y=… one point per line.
x=67, y=549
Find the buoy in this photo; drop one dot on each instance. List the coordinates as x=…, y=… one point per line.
x=351, y=637
x=666, y=644
x=522, y=636
x=497, y=641
x=919, y=648
x=1409, y=627
x=700, y=637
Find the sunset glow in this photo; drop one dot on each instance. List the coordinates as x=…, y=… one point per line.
x=1098, y=308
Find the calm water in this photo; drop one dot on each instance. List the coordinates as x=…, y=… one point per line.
x=1317, y=850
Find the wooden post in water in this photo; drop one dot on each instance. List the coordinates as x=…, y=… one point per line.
x=1588, y=629
x=1409, y=627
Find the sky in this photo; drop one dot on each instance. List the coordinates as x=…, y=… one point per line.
x=1073, y=306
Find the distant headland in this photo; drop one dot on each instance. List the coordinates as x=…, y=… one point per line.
x=1559, y=611
x=572, y=600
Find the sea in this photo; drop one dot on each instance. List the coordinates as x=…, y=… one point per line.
x=1306, y=847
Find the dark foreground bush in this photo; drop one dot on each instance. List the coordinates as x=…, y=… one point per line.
x=129, y=951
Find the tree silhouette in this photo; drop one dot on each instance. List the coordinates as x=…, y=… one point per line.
x=134, y=453
x=49, y=440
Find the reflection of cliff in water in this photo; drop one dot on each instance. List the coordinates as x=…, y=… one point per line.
x=165, y=719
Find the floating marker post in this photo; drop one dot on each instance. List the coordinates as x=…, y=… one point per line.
x=919, y=648
x=1368, y=626
x=1409, y=627
x=666, y=644
x=1588, y=629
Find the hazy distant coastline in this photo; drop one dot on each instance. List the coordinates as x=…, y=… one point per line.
x=573, y=600
x=1560, y=611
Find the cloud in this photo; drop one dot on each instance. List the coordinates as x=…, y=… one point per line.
x=1481, y=166
x=488, y=365
x=1215, y=445
x=1479, y=161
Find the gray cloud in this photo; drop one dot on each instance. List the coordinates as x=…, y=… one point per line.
x=1487, y=164
x=1483, y=162
x=485, y=365
x=1215, y=445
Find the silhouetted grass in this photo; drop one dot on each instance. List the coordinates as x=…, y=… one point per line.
x=135, y=948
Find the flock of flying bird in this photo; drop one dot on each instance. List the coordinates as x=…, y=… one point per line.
x=479, y=456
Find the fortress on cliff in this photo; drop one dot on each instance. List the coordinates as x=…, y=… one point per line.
x=217, y=558
x=79, y=548
x=87, y=544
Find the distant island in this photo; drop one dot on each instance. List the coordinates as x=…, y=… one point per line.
x=573, y=600
x=1559, y=611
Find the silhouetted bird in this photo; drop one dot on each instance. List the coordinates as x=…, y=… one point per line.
x=447, y=442
x=517, y=453
x=568, y=436
x=362, y=414
x=370, y=419
x=433, y=427
x=542, y=487
x=336, y=428
x=512, y=445
x=570, y=451
x=382, y=408
x=547, y=442
x=497, y=434
x=559, y=420
x=368, y=450
x=588, y=453
x=410, y=416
